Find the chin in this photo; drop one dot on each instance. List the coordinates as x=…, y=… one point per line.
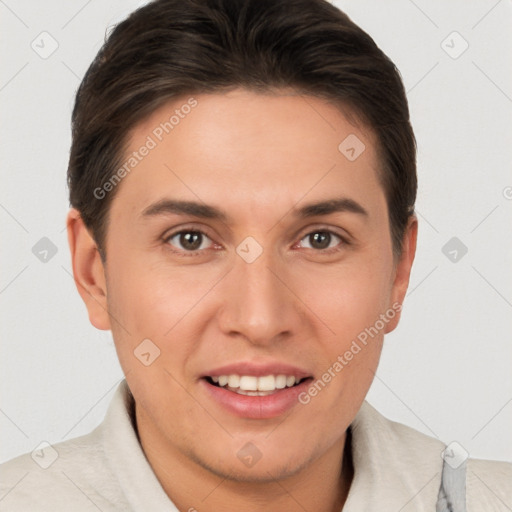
x=276, y=467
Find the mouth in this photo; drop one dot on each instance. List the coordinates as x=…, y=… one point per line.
x=256, y=390
x=251, y=385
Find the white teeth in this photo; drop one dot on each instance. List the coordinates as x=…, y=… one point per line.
x=234, y=381
x=267, y=383
x=290, y=381
x=253, y=393
x=248, y=383
x=254, y=386
x=280, y=381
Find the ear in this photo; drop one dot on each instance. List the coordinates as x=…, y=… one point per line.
x=88, y=270
x=403, y=271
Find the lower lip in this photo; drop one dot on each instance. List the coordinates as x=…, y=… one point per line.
x=256, y=407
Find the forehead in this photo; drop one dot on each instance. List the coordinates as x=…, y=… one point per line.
x=249, y=149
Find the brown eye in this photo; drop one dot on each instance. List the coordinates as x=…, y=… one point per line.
x=188, y=240
x=321, y=240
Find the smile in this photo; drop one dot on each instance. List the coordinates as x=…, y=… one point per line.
x=251, y=385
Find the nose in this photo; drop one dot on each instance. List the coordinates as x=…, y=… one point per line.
x=258, y=302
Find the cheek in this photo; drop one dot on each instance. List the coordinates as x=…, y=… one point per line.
x=154, y=301
x=152, y=332
x=349, y=298
x=350, y=302
x=152, y=297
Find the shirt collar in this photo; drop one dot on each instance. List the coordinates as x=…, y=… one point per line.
x=395, y=467
x=126, y=457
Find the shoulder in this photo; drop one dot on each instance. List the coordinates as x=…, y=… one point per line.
x=488, y=485
x=73, y=473
x=395, y=466
x=393, y=437
x=405, y=459
x=488, y=482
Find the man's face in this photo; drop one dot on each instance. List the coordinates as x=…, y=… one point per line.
x=250, y=282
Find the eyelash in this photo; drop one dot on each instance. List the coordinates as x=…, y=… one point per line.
x=183, y=252
x=198, y=252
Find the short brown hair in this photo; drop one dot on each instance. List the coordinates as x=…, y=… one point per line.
x=169, y=48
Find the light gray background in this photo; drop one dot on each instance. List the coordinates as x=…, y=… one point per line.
x=446, y=371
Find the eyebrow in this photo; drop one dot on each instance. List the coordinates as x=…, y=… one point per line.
x=168, y=206
x=331, y=206
x=201, y=210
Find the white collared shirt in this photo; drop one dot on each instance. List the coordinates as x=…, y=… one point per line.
x=396, y=469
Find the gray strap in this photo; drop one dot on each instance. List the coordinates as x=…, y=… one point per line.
x=452, y=493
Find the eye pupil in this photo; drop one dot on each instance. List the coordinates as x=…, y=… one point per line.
x=191, y=240
x=320, y=240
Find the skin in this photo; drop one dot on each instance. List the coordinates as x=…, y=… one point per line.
x=257, y=157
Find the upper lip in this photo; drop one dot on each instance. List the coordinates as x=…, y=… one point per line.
x=258, y=370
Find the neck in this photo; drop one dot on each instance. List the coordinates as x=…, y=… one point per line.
x=322, y=485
